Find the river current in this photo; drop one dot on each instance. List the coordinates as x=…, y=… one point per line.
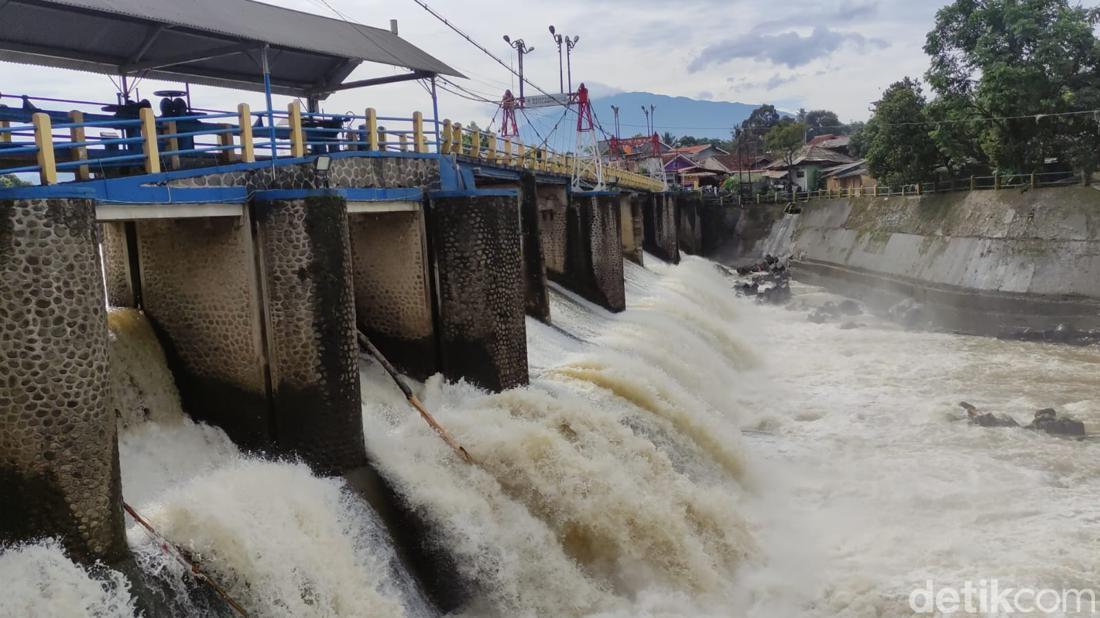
x=696, y=455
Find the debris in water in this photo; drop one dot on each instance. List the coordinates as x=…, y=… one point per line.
x=1046, y=420
x=769, y=281
x=988, y=419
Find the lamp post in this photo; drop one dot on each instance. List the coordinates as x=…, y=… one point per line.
x=521, y=49
x=570, y=43
x=559, y=39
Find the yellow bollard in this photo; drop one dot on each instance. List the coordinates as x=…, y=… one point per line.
x=43, y=139
x=149, y=141
x=80, y=153
x=244, y=119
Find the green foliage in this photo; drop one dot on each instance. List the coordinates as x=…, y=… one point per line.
x=895, y=141
x=7, y=181
x=1003, y=58
x=823, y=122
x=785, y=140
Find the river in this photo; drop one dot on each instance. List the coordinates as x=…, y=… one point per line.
x=696, y=455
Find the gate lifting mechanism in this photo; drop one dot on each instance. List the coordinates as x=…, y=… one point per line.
x=588, y=159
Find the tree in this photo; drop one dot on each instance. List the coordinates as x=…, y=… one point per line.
x=669, y=139
x=899, y=150
x=786, y=140
x=857, y=145
x=823, y=122
x=750, y=138
x=1003, y=59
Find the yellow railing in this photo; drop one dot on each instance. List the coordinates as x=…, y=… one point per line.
x=490, y=147
x=151, y=144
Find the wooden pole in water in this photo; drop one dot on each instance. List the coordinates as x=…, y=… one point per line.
x=167, y=547
x=412, y=399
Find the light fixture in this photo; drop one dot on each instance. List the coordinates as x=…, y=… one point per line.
x=324, y=162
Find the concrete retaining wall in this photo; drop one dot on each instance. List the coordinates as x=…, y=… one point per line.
x=990, y=261
x=393, y=302
x=479, y=278
x=59, y=471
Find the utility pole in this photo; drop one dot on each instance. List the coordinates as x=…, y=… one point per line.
x=559, y=39
x=521, y=49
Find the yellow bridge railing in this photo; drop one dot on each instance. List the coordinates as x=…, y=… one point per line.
x=87, y=144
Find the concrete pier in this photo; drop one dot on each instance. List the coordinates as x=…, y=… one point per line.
x=661, y=236
x=59, y=471
x=534, y=262
x=478, y=264
x=689, y=227
x=594, y=250
x=309, y=316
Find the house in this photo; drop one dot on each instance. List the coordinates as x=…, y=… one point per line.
x=808, y=164
x=683, y=171
x=848, y=176
x=837, y=143
x=700, y=152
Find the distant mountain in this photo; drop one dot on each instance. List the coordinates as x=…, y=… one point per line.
x=677, y=115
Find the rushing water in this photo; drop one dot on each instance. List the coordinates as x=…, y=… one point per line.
x=696, y=455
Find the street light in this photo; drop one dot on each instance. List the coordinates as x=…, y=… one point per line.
x=570, y=43
x=561, y=64
x=521, y=49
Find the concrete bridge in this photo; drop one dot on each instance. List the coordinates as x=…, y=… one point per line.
x=256, y=275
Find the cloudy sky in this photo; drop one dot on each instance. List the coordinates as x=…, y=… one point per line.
x=833, y=54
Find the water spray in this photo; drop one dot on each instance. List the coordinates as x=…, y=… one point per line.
x=412, y=399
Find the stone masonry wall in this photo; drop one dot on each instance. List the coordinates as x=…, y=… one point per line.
x=59, y=473
x=392, y=296
x=346, y=172
x=480, y=288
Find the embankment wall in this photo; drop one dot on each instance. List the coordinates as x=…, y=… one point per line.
x=991, y=262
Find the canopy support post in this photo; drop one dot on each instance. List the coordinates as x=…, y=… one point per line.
x=270, y=110
x=435, y=114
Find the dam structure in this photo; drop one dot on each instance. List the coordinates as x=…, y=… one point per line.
x=258, y=243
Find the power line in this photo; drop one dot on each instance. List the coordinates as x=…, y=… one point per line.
x=424, y=5
x=975, y=119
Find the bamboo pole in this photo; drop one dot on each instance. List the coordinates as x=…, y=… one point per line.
x=412, y=399
x=171, y=549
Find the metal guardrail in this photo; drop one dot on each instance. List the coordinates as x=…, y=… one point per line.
x=972, y=183
x=95, y=143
